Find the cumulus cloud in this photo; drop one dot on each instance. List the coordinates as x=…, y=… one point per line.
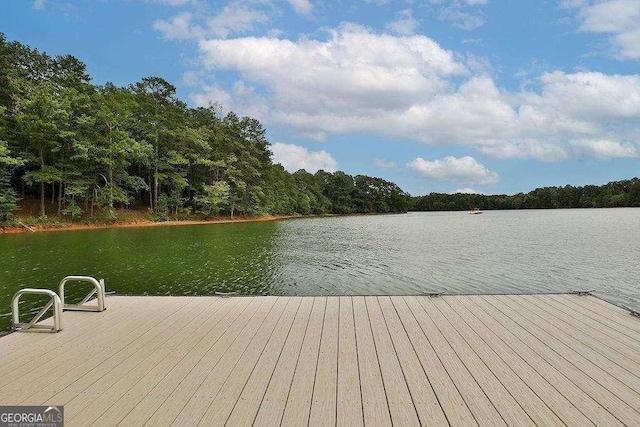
x=356, y=80
x=235, y=18
x=619, y=19
x=295, y=157
x=355, y=72
x=464, y=170
x=210, y=94
x=179, y=28
x=604, y=149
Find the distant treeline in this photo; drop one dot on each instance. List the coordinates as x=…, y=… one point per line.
x=624, y=193
x=84, y=150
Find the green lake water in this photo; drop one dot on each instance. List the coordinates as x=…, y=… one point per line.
x=453, y=252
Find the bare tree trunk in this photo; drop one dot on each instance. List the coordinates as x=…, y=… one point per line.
x=111, y=187
x=155, y=179
x=110, y=172
x=93, y=199
x=42, y=210
x=60, y=186
x=150, y=193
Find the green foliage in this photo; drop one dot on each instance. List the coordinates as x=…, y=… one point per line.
x=92, y=148
x=8, y=198
x=614, y=194
x=72, y=210
x=214, y=199
x=161, y=214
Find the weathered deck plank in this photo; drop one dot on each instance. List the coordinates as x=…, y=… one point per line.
x=349, y=399
x=323, y=403
x=611, y=391
x=524, y=364
x=610, y=343
x=229, y=329
x=401, y=403
x=168, y=385
x=248, y=403
x=453, y=404
x=300, y=395
x=528, y=400
x=375, y=407
x=615, y=317
x=451, y=360
x=569, y=375
x=509, y=408
x=482, y=408
x=426, y=402
x=199, y=402
x=132, y=332
x=275, y=397
x=222, y=404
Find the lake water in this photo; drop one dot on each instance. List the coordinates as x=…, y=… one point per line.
x=498, y=252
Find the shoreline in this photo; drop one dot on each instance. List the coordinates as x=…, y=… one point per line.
x=37, y=228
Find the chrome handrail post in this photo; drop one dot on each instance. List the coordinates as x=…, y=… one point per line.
x=98, y=289
x=56, y=302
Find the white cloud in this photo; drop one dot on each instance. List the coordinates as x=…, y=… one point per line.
x=384, y=164
x=359, y=81
x=620, y=19
x=302, y=7
x=352, y=73
x=212, y=94
x=294, y=157
x=179, y=28
x=604, y=150
x=39, y=4
x=464, y=170
x=235, y=18
x=405, y=24
x=586, y=96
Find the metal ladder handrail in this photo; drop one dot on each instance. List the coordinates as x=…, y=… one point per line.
x=98, y=290
x=57, y=311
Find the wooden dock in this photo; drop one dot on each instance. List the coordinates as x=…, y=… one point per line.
x=400, y=360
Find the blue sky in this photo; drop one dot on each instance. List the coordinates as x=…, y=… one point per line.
x=436, y=95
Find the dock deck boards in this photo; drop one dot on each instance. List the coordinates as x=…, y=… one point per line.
x=375, y=360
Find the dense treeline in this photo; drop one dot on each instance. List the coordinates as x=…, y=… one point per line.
x=85, y=150
x=624, y=193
